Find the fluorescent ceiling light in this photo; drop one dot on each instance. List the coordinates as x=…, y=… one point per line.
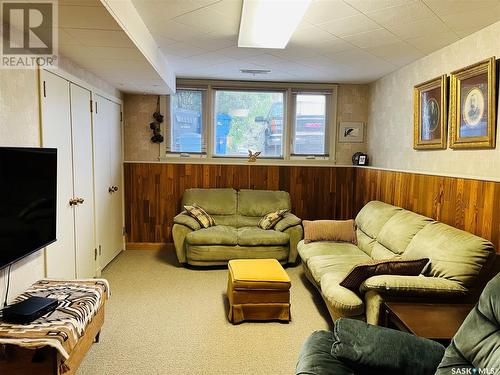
x=270, y=23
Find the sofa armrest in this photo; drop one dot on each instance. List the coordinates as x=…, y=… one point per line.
x=187, y=220
x=412, y=286
x=296, y=233
x=290, y=220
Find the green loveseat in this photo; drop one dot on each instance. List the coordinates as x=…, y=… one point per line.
x=236, y=234
x=384, y=231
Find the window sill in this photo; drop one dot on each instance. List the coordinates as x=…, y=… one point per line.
x=295, y=161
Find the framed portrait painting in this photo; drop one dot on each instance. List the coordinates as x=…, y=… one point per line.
x=472, y=115
x=430, y=114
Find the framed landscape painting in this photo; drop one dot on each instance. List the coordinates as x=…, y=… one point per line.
x=430, y=114
x=473, y=112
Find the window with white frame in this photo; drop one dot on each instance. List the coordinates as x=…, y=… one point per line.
x=248, y=121
x=228, y=120
x=186, y=122
x=310, y=124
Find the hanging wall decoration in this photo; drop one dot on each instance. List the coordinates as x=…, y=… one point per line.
x=155, y=125
x=430, y=114
x=473, y=109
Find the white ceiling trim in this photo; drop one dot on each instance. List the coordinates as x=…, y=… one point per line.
x=125, y=14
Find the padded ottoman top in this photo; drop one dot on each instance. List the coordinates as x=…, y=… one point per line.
x=258, y=274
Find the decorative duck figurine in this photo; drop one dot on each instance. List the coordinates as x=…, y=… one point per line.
x=253, y=157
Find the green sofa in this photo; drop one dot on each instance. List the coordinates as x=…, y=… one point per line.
x=236, y=234
x=384, y=231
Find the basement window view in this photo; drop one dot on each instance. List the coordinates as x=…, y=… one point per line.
x=186, y=122
x=248, y=121
x=310, y=125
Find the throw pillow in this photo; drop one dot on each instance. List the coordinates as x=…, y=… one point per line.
x=330, y=230
x=399, y=266
x=269, y=220
x=200, y=215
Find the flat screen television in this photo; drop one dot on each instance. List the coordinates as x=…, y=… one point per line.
x=28, y=187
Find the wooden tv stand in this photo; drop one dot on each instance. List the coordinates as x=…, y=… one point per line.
x=46, y=360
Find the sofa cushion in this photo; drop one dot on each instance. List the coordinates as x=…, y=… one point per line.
x=269, y=220
x=309, y=250
x=345, y=302
x=200, y=215
x=399, y=230
x=218, y=235
x=365, y=242
x=455, y=255
x=214, y=201
x=361, y=272
x=228, y=220
x=341, y=263
x=329, y=230
x=261, y=202
x=251, y=236
x=373, y=217
x=221, y=254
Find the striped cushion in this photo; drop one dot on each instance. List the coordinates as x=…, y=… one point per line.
x=269, y=220
x=330, y=230
x=395, y=266
x=200, y=215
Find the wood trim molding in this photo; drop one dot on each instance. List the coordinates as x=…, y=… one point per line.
x=147, y=246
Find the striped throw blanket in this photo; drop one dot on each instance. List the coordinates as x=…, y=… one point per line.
x=79, y=301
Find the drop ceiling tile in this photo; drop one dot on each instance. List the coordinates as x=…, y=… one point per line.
x=88, y=3
x=447, y=7
x=100, y=38
x=175, y=31
x=333, y=47
x=372, y=5
x=153, y=11
x=67, y=40
x=86, y=17
x=311, y=35
x=208, y=59
x=205, y=20
x=350, y=25
x=396, y=15
x=213, y=42
x=428, y=45
x=228, y=8
x=266, y=61
x=399, y=53
x=184, y=50
x=112, y=53
x=465, y=23
x=372, y=38
x=241, y=53
x=424, y=27
x=321, y=11
x=361, y=59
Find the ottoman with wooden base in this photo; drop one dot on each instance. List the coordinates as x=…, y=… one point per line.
x=258, y=289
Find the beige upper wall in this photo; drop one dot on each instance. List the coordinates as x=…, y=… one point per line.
x=352, y=106
x=390, y=123
x=19, y=127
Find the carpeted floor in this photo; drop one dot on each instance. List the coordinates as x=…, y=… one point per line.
x=165, y=319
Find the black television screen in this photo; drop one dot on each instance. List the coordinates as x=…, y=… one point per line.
x=28, y=189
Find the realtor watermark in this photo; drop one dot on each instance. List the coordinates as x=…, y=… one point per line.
x=475, y=371
x=29, y=34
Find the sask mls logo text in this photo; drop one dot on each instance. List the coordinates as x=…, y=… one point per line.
x=29, y=34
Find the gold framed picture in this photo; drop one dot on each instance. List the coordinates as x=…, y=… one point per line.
x=430, y=114
x=472, y=107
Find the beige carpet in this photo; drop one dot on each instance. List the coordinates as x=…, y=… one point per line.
x=165, y=319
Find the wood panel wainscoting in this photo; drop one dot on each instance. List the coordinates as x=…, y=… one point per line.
x=471, y=205
x=153, y=193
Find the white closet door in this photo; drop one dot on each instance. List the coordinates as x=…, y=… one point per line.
x=56, y=132
x=81, y=122
x=102, y=180
x=116, y=159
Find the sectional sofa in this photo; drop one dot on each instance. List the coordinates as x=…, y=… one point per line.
x=236, y=234
x=384, y=231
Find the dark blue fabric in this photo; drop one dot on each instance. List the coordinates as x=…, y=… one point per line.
x=365, y=346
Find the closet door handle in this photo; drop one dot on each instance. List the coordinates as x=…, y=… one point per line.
x=73, y=202
x=115, y=188
x=111, y=189
x=80, y=200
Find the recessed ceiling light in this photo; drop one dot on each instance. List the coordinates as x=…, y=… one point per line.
x=270, y=23
x=255, y=71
